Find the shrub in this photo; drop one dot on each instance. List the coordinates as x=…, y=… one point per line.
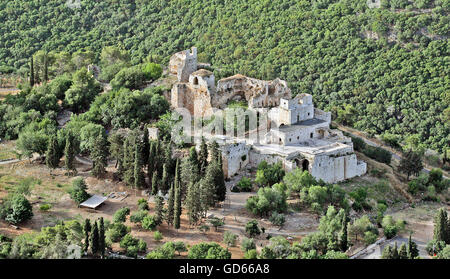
x=78, y=191
x=278, y=219
x=208, y=250
x=251, y=254
x=369, y=237
x=16, y=209
x=229, y=239
x=138, y=216
x=252, y=229
x=120, y=215
x=149, y=222
x=45, y=207
x=116, y=231
x=152, y=71
x=244, y=185
x=248, y=244
x=166, y=251
x=143, y=204
x=158, y=236
x=434, y=247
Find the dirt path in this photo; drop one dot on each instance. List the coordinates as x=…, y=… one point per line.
x=396, y=155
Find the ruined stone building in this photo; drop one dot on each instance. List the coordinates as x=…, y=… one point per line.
x=298, y=134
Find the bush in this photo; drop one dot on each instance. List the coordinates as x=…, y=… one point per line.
x=158, y=236
x=434, y=247
x=16, y=209
x=251, y=254
x=252, y=229
x=229, y=239
x=138, y=216
x=143, y=204
x=248, y=244
x=78, y=191
x=370, y=237
x=116, y=231
x=208, y=250
x=379, y=154
x=131, y=78
x=244, y=185
x=278, y=219
x=152, y=71
x=45, y=207
x=120, y=215
x=149, y=222
x=166, y=251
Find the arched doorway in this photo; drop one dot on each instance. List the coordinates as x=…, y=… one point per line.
x=302, y=164
x=305, y=165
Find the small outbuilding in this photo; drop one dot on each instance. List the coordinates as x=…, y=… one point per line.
x=94, y=202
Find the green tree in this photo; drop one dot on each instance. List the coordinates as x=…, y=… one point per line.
x=177, y=198
x=52, y=155
x=252, y=229
x=94, y=239
x=203, y=157
x=170, y=205
x=70, y=153
x=441, y=227
x=78, y=191
x=411, y=163
x=99, y=156
x=139, y=176
x=87, y=231
x=101, y=237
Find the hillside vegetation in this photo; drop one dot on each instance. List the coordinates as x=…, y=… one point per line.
x=382, y=70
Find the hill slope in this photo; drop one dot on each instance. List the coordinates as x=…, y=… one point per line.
x=390, y=64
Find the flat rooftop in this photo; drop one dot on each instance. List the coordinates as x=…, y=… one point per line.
x=300, y=124
x=312, y=147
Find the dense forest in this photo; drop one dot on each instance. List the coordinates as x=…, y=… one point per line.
x=383, y=70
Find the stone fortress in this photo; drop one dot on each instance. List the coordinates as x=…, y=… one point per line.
x=296, y=133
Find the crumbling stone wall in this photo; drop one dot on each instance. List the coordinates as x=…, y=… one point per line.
x=183, y=64
x=257, y=93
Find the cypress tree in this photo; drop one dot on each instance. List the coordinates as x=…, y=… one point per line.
x=159, y=210
x=52, y=156
x=145, y=147
x=170, y=205
x=177, y=199
x=193, y=203
x=387, y=253
x=129, y=159
x=168, y=161
x=402, y=252
x=155, y=183
x=87, y=230
x=116, y=150
x=344, y=234
x=101, y=237
x=94, y=239
x=412, y=251
x=440, y=226
x=395, y=255
x=99, y=156
x=214, y=169
x=203, y=157
x=151, y=161
x=45, y=67
x=164, y=180
x=139, y=176
x=215, y=152
x=32, y=79
x=69, y=152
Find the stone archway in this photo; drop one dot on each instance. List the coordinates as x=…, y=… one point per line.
x=302, y=164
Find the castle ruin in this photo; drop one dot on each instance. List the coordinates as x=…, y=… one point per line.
x=298, y=134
